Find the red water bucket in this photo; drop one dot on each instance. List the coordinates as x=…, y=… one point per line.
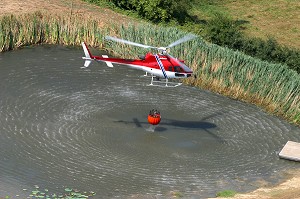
x=154, y=119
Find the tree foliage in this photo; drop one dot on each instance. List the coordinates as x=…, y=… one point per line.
x=223, y=31
x=157, y=10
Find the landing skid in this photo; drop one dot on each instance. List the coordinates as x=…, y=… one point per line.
x=165, y=83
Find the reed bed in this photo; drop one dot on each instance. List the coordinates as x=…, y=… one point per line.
x=271, y=86
x=41, y=28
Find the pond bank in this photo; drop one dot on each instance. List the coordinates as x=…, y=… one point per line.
x=289, y=189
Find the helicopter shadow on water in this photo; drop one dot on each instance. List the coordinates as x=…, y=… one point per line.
x=185, y=125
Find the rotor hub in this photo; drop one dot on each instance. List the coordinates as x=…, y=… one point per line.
x=162, y=50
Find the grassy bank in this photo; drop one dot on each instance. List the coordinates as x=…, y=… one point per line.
x=271, y=86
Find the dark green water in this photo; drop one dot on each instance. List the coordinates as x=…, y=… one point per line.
x=63, y=126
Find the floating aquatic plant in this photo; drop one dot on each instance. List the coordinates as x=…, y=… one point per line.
x=68, y=194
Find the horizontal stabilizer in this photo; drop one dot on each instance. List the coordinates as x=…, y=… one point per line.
x=108, y=63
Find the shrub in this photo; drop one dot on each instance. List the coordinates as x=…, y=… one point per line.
x=156, y=10
x=223, y=31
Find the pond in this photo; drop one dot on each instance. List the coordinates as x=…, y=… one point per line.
x=64, y=126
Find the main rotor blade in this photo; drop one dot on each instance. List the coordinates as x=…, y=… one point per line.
x=183, y=39
x=127, y=42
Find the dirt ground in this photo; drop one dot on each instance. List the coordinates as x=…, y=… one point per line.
x=290, y=189
x=65, y=7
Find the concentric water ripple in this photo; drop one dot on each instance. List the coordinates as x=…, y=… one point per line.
x=62, y=126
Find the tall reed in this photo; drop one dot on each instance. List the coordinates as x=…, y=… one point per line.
x=50, y=29
x=271, y=86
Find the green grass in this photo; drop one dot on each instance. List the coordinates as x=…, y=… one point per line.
x=226, y=194
x=207, y=9
x=277, y=18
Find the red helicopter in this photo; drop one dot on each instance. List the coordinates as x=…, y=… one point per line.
x=160, y=65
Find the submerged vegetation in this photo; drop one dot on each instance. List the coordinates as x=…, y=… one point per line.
x=274, y=87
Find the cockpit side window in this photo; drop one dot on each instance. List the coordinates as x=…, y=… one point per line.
x=177, y=69
x=170, y=68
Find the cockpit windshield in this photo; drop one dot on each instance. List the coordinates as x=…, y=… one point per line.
x=185, y=68
x=182, y=66
x=178, y=69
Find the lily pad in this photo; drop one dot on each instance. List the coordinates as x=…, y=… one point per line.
x=68, y=194
x=35, y=192
x=68, y=189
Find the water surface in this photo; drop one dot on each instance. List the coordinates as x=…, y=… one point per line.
x=63, y=126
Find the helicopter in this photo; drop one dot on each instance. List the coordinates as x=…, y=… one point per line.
x=159, y=65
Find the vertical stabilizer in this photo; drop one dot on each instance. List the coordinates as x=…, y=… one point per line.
x=88, y=56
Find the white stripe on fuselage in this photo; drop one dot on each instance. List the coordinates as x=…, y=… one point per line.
x=154, y=71
x=161, y=66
